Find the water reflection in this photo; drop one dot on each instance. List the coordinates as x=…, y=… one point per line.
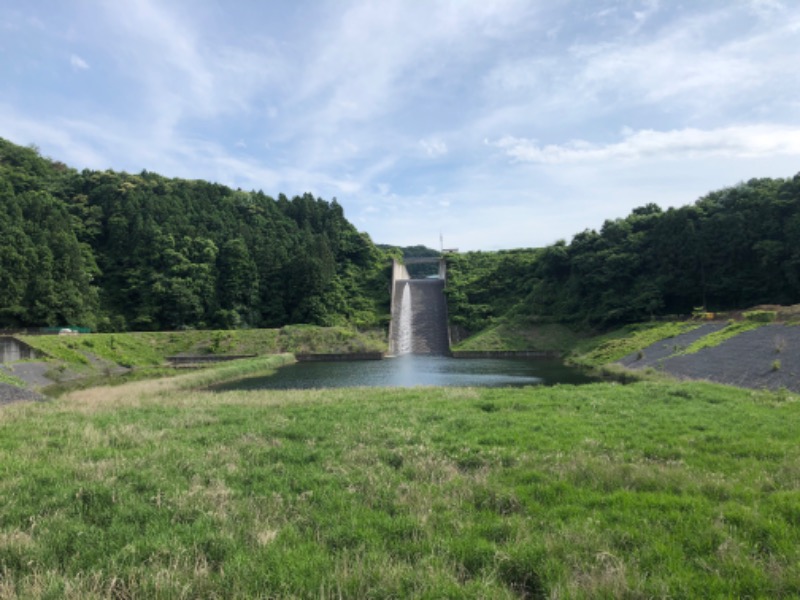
x=411, y=371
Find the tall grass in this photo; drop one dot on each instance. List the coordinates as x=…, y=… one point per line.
x=652, y=490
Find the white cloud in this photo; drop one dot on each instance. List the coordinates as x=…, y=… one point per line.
x=184, y=73
x=374, y=56
x=78, y=63
x=731, y=142
x=767, y=8
x=687, y=70
x=433, y=147
x=522, y=75
x=348, y=98
x=650, y=8
x=61, y=143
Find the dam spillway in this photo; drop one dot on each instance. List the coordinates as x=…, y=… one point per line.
x=419, y=317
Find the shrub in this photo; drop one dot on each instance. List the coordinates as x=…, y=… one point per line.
x=760, y=316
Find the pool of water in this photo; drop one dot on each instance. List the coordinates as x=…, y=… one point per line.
x=412, y=371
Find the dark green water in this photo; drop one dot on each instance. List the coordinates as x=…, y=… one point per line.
x=411, y=371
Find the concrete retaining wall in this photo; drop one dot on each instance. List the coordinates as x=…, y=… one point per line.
x=339, y=357
x=12, y=349
x=505, y=354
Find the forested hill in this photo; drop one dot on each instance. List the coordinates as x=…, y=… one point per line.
x=734, y=248
x=114, y=251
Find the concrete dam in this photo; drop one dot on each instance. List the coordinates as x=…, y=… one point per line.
x=419, y=312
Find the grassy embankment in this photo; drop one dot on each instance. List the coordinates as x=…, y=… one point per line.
x=581, y=348
x=151, y=489
x=600, y=352
x=152, y=348
x=91, y=357
x=520, y=333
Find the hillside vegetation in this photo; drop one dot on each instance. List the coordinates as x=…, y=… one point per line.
x=733, y=248
x=115, y=251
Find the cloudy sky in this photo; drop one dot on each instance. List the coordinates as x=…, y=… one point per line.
x=499, y=123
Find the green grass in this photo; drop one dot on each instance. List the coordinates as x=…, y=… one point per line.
x=611, y=347
x=717, y=337
x=761, y=316
x=522, y=334
x=94, y=352
x=154, y=490
x=196, y=378
x=238, y=369
x=125, y=349
x=91, y=380
x=602, y=350
x=326, y=340
x=6, y=377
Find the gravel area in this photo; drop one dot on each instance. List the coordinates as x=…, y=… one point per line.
x=654, y=355
x=32, y=373
x=11, y=393
x=767, y=357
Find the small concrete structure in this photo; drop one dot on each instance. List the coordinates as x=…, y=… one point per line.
x=505, y=354
x=12, y=349
x=331, y=357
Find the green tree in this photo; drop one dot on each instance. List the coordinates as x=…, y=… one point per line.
x=237, y=285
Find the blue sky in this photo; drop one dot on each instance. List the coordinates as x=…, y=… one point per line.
x=500, y=124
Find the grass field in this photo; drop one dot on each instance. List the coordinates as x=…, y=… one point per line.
x=150, y=349
x=155, y=490
x=520, y=333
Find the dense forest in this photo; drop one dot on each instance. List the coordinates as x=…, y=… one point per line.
x=415, y=271
x=114, y=251
x=733, y=248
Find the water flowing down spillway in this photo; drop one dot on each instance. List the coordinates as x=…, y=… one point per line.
x=404, y=331
x=419, y=319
